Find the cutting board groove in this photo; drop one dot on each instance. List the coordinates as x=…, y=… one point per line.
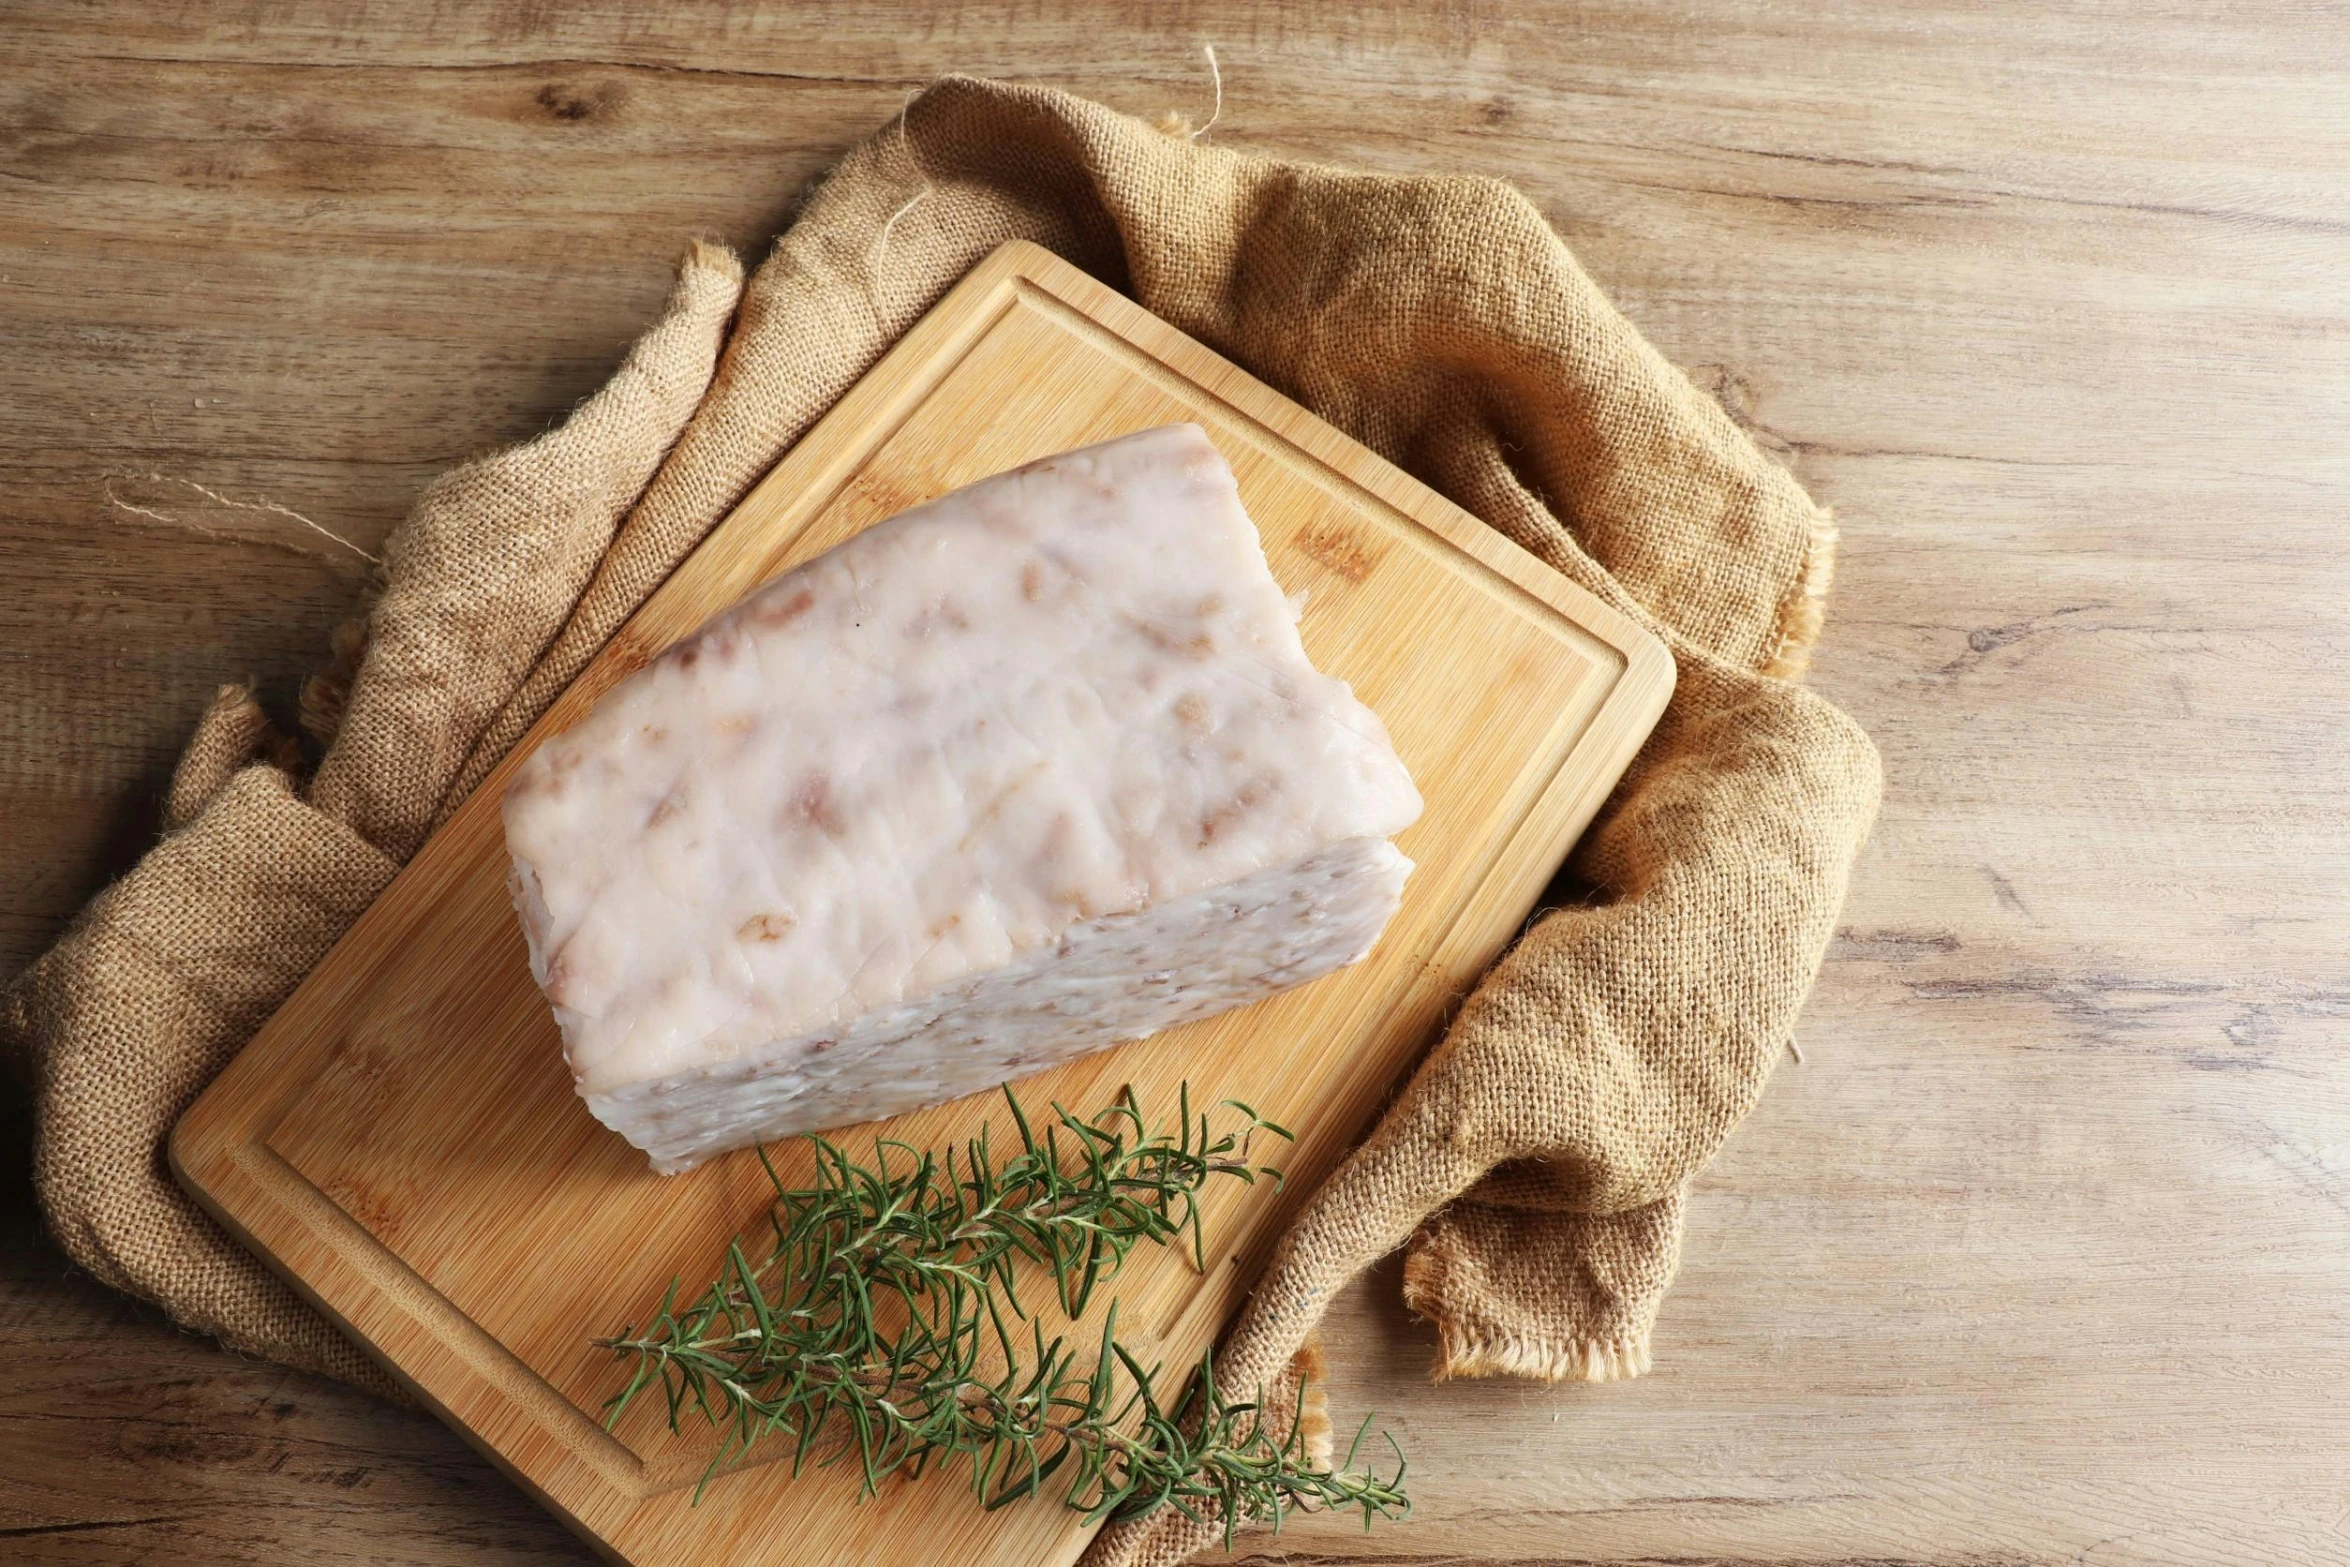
x=401, y=1140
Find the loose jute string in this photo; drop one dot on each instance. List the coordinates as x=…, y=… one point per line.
x=224, y=502
x=1174, y=122
x=889, y=224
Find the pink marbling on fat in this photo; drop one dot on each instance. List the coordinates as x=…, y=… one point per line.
x=1036, y=767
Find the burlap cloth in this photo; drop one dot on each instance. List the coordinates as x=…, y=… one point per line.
x=1537, y=1164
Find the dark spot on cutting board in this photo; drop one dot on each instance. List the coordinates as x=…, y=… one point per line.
x=1342, y=550
x=625, y=658
x=375, y=1212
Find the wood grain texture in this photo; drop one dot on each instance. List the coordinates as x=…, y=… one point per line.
x=402, y=1142
x=2041, y=1257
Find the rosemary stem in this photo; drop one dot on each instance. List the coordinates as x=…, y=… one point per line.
x=860, y=1332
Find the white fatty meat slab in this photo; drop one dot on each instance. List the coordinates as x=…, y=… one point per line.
x=1032, y=769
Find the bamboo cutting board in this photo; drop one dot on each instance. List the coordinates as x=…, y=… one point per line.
x=402, y=1142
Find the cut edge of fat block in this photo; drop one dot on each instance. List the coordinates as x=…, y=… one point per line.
x=1103, y=983
x=1030, y=770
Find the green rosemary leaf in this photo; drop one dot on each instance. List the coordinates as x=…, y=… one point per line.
x=859, y=1335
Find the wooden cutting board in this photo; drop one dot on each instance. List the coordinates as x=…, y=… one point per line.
x=402, y=1141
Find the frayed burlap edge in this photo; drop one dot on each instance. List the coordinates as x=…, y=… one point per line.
x=1805, y=613
x=1464, y=1349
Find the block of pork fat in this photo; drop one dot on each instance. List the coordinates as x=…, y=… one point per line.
x=1032, y=769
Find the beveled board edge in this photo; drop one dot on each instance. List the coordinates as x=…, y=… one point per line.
x=219, y=1148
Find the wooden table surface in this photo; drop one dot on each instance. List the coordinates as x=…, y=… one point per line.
x=2043, y=1256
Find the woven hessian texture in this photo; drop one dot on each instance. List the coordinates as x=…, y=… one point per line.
x=1537, y=1164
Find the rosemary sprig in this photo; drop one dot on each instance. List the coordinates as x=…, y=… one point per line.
x=878, y=1321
